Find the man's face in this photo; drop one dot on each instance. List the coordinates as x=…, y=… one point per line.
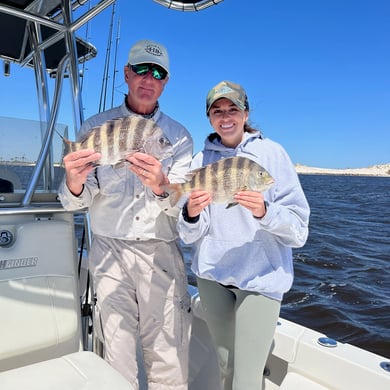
x=144, y=90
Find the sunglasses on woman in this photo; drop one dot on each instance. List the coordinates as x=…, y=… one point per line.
x=142, y=69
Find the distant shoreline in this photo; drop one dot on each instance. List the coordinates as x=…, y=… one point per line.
x=375, y=170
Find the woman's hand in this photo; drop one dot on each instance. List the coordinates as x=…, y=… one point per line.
x=197, y=201
x=253, y=201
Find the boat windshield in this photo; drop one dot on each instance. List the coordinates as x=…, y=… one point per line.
x=21, y=142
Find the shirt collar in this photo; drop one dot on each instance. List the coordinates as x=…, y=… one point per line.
x=146, y=116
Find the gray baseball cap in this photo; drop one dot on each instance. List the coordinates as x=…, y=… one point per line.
x=149, y=52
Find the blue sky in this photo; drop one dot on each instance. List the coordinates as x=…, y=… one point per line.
x=317, y=72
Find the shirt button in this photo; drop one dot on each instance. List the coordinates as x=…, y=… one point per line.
x=137, y=218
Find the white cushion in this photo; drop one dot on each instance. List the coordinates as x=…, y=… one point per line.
x=77, y=371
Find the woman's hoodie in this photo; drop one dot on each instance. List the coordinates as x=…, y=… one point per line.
x=231, y=246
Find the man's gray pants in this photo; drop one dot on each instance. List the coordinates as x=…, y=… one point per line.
x=141, y=290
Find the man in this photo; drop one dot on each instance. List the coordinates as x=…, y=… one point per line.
x=137, y=268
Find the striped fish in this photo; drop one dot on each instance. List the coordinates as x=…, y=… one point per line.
x=118, y=138
x=223, y=179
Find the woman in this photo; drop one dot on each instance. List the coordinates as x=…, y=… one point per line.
x=243, y=255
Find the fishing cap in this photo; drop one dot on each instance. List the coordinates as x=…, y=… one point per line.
x=149, y=52
x=226, y=89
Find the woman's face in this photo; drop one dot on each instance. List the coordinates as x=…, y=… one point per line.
x=228, y=121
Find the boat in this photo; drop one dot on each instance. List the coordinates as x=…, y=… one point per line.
x=47, y=332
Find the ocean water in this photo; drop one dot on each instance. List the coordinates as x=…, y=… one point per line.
x=342, y=274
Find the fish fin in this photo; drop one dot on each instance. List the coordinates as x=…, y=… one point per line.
x=67, y=147
x=121, y=164
x=189, y=175
x=93, y=164
x=234, y=203
x=194, y=171
x=67, y=143
x=84, y=137
x=131, y=152
x=62, y=137
x=231, y=204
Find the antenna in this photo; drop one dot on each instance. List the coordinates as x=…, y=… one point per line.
x=84, y=62
x=115, y=58
x=103, y=93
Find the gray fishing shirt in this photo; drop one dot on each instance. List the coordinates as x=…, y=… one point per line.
x=120, y=206
x=232, y=247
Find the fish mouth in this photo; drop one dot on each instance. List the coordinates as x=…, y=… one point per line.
x=271, y=182
x=168, y=154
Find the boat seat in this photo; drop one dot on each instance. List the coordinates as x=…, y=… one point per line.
x=81, y=370
x=38, y=292
x=294, y=381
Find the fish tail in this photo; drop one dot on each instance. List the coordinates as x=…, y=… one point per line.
x=67, y=146
x=175, y=193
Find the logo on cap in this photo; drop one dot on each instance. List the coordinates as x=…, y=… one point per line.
x=223, y=90
x=154, y=50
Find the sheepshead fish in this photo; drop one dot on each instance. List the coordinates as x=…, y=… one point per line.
x=118, y=138
x=223, y=179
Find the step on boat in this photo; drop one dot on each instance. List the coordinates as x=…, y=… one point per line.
x=47, y=338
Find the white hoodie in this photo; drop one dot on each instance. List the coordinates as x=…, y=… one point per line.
x=234, y=248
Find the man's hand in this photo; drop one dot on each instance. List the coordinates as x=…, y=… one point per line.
x=78, y=165
x=149, y=171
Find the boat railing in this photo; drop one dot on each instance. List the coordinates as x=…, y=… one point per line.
x=45, y=40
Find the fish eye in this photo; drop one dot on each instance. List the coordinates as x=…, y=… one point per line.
x=161, y=141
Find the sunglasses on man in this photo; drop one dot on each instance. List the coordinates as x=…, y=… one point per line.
x=142, y=69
